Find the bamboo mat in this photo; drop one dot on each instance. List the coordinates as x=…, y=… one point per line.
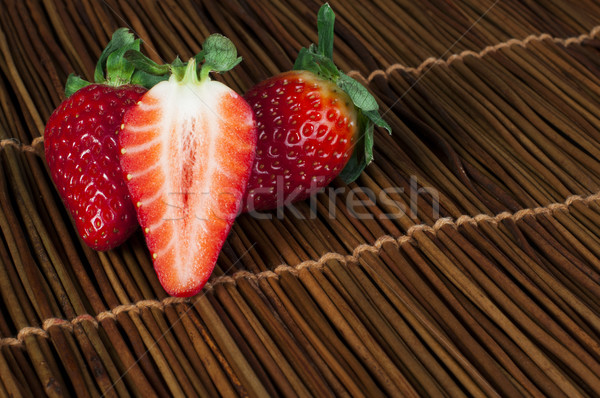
x=480, y=276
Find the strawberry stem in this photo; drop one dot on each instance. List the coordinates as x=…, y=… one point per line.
x=205, y=71
x=325, y=24
x=191, y=73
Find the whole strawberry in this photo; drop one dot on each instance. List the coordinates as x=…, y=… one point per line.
x=81, y=147
x=314, y=123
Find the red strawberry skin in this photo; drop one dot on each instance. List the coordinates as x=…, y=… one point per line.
x=307, y=128
x=81, y=147
x=186, y=152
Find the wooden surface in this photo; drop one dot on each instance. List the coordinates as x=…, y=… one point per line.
x=464, y=262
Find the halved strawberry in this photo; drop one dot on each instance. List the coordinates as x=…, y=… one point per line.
x=186, y=151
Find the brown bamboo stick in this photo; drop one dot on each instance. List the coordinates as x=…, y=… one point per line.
x=308, y=308
x=578, y=358
x=9, y=381
x=479, y=297
x=155, y=351
x=269, y=358
x=390, y=340
x=245, y=348
x=426, y=322
x=217, y=376
x=251, y=383
x=392, y=381
x=28, y=381
x=336, y=375
x=195, y=372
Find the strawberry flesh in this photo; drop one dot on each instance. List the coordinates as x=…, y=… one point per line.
x=81, y=149
x=186, y=153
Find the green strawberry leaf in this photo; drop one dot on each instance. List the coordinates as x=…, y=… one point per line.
x=319, y=59
x=361, y=97
x=378, y=120
x=363, y=151
x=112, y=68
x=220, y=55
x=120, y=39
x=74, y=84
x=145, y=64
x=362, y=155
x=353, y=168
x=306, y=61
x=327, y=68
x=309, y=59
x=118, y=70
x=121, y=62
x=147, y=80
x=178, y=68
x=369, y=141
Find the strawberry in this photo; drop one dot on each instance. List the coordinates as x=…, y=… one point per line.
x=186, y=151
x=313, y=123
x=80, y=141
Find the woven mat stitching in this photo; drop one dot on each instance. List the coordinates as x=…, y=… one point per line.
x=509, y=43
x=316, y=264
x=15, y=143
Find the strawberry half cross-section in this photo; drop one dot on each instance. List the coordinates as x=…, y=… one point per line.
x=187, y=148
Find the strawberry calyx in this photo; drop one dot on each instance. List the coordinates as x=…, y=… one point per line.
x=318, y=59
x=218, y=55
x=112, y=68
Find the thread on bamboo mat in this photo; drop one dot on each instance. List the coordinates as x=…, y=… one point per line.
x=109, y=314
x=454, y=57
x=409, y=237
x=15, y=143
x=314, y=264
x=43, y=331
